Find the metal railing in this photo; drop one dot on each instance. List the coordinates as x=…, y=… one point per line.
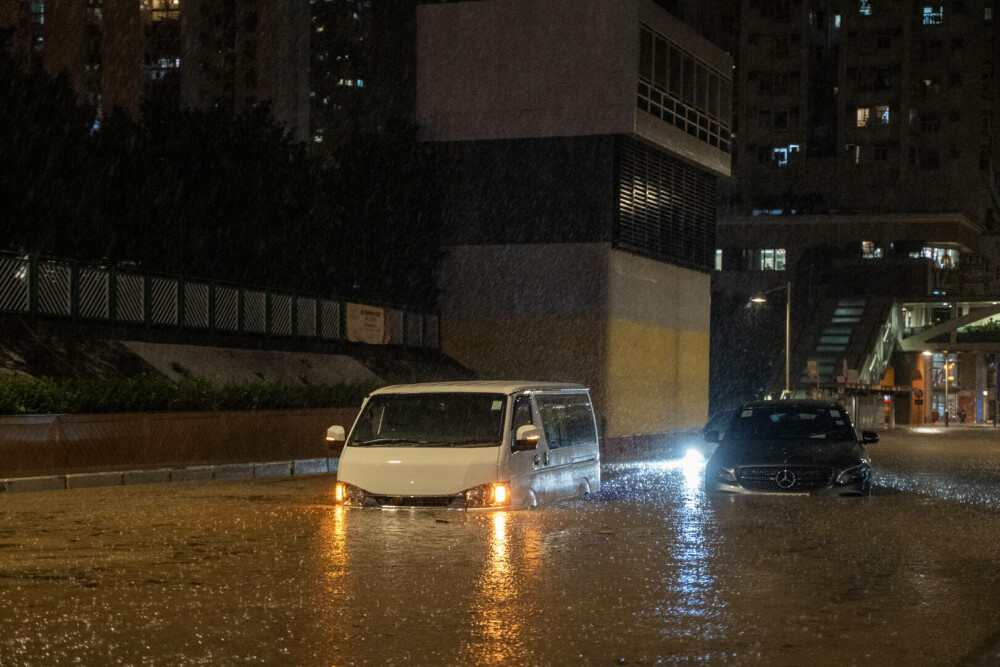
x=880, y=355
x=38, y=286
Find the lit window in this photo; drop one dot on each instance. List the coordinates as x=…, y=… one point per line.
x=934, y=15
x=864, y=113
x=882, y=115
x=718, y=259
x=768, y=259
x=865, y=7
x=361, y=83
x=836, y=20
x=781, y=154
x=869, y=250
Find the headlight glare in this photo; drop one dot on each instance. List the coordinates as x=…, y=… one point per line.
x=496, y=494
x=348, y=494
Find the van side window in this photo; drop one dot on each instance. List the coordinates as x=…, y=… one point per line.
x=568, y=420
x=522, y=416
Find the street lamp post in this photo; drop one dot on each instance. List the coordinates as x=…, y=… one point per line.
x=761, y=297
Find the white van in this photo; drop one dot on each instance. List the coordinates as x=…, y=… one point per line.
x=466, y=445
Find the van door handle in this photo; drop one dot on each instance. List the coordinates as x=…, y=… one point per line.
x=546, y=457
x=538, y=461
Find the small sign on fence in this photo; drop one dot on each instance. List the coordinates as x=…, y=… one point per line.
x=366, y=324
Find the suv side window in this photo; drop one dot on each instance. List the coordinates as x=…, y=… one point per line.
x=521, y=416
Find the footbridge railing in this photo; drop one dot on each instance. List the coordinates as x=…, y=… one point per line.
x=38, y=286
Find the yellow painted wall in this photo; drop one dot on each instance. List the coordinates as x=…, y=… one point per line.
x=643, y=378
x=657, y=379
x=632, y=329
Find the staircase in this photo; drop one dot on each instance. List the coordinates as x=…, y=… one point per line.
x=858, y=330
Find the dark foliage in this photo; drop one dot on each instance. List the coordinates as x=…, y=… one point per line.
x=22, y=394
x=208, y=194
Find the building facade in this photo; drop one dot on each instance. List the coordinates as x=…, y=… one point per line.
x=863, y=174
x=872, y=119
x=202, y=54
x=577, y=145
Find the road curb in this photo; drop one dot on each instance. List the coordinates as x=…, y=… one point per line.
x=88, y=480
x=168, y=475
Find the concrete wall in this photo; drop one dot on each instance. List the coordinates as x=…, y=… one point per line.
x=632, y=329
x=515, y=69
x=533, y=312
x=56, y=444
x=553, y=190
x=658, y=345
x=526, y=68
x=226, y=364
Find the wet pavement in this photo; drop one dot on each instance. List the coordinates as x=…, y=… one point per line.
x=652, y=572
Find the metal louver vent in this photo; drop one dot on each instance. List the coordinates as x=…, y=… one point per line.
x=666, y=208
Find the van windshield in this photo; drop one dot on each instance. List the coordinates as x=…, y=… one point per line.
x=454, y=419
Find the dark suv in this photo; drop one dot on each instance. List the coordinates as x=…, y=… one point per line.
x=790, y=447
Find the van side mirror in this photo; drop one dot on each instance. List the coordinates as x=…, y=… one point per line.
x=711, y=436
x=527, y=438
x=335, y=434
x=869, y=437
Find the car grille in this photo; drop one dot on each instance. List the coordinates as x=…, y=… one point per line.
x=785, y=479
x=455, y=501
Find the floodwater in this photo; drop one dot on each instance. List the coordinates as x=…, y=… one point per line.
x=651, y=572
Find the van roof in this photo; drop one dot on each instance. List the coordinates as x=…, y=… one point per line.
x=477, y=386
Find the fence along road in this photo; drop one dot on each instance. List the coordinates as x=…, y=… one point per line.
x=37, y=286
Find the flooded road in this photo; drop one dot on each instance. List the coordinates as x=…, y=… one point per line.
x=652, y=572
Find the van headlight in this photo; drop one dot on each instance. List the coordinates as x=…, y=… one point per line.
x=496, y=494
x=853, y=474
x=348, y=494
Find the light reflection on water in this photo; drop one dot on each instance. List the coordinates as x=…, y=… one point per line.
x=497, y=635
x=333, y=541
x=691, y=603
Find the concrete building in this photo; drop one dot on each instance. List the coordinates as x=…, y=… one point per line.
x=196, y=53
x=577, y=145
x=362, y=68
x=237, y=54
x=863, y=173
x=870, y=118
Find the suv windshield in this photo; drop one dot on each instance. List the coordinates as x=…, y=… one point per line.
x=791, y=422
x=459, y=419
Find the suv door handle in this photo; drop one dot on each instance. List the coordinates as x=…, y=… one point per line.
x=538, y=461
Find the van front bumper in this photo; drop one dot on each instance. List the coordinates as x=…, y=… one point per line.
x=486, y=496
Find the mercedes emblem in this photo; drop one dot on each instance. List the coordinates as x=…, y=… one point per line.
x=785, y=478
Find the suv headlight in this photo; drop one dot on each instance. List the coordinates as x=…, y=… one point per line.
x=724, y=474
x=853, y=474
x=496, y=494
x=348, y=494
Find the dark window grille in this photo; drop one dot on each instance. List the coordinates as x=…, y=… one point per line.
x=666, y=208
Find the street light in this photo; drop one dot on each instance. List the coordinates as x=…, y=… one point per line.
x=761, y=297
